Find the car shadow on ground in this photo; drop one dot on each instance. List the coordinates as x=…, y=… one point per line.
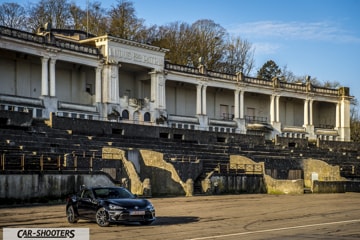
x=169, y=220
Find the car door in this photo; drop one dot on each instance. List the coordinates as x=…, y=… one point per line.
x=87, y=204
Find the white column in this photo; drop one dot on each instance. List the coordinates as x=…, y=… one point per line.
x=242, y=110
x=344, y=129
x=158, y=89
x=345, y=113
x=44, y=76
x=98, y=89
x=311, y=112
x=204, y=99
x=272, y=108
x=277, y=110
x=162, y=91
x=154, y=88
x=52, y=78
x=110, y=87
x=337, y=123
x=306, y=112
x=236, y=104
x=198, y=99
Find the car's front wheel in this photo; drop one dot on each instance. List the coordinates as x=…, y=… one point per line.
x=70, y=215
x=102, y=218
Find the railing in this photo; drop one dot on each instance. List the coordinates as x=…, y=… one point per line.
x=227, y=76
x=181, y=68
x=76, y=47
x=239, y=169
x=295, y=86
x=325, y=90
x=14, y=33
x=10, y=32
x=227, y=116
x=21, y=162
x=255, y=119
x=325, y=126
x=257, y=81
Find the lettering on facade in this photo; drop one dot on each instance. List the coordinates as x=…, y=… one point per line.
x=123, y=54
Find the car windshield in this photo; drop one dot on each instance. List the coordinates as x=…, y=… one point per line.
x=111, y=193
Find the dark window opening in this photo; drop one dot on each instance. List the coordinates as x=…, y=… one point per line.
x=117, y=131
x=179, y=136
x=89, y=88
x=221, y=139
x=3, y=121
x=164, y=135
x=125, y=114
x=147, y=117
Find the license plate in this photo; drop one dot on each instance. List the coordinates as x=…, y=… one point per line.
x=137, y=213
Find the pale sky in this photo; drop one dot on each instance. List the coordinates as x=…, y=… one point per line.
x=320, y=38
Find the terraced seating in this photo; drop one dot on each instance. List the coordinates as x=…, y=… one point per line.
x=41, y=140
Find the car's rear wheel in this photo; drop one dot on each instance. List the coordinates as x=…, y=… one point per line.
x=102, y=218
x=70, y=215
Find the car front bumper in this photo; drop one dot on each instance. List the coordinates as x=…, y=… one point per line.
x=128, y=216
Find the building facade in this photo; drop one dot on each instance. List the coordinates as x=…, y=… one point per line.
x=106, y=78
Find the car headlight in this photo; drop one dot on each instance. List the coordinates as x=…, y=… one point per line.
x=150, y=207
x=115, y=207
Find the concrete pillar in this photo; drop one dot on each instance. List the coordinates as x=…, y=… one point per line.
x=204, y=100
x=111, y=83
x=236, y=104
x=158, y=96
x=242, y=110
x=277, y=110
x=311, y=102
x=198, y=99
x=98, y=87
x=44, y=76
x=52, y=77
x=154, y=87
x=162, y=91
x=306, y=112
x=337, y=123
x=345, y=119
x=272, y=108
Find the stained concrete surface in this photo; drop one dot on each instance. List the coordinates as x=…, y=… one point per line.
x=229, y=217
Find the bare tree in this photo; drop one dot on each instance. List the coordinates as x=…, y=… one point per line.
x=91, y=19
x=177, y=37
x=124, y=23
x=207, y=43
x=56, y=12
x=12, y=15
x=238, y=56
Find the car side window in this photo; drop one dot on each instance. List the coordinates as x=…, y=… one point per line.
x=86, y=194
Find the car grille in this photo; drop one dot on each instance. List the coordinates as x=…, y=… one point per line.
x=125, y=216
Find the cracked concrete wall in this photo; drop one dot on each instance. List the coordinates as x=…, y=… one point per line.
x=136, y=186
x=165, y=179
x=319, y=170
x=273, y=186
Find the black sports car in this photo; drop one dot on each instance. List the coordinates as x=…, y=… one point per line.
x=109, y=205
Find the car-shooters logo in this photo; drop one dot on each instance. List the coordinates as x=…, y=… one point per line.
x=46, y=233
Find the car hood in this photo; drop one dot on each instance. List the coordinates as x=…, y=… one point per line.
x=128, y=202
